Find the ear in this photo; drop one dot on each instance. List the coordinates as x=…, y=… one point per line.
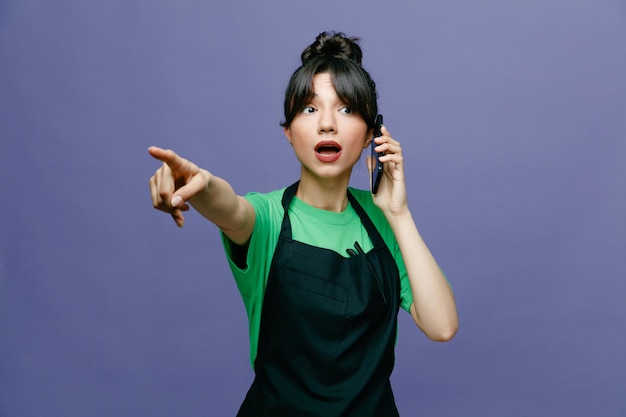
x=287, y=132
x=368, y=138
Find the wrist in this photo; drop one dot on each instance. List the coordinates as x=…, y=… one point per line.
x=203, y=194
x=398, y=218
x=207, y=180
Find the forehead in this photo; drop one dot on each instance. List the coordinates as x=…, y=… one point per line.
x=322, y=85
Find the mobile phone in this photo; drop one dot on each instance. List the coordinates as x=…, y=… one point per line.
x=377, y=172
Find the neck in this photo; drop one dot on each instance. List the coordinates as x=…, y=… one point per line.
x=326, y=194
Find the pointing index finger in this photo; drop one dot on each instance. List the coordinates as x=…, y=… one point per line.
x=168, y=156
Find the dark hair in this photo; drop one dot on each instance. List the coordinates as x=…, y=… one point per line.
x=339, y=56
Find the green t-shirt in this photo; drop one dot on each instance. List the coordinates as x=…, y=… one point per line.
x=310, y=225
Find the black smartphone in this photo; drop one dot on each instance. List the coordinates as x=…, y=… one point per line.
x=377, y=172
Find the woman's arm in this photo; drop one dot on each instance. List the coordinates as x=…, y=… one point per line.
x=433, y=309
x=179, y=182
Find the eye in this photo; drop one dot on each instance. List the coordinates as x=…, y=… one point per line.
x=346, y=110
x=308, y=109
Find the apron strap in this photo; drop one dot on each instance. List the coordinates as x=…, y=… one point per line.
x=288, y=194
x=377, y=239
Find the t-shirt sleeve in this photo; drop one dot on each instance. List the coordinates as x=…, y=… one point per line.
x=251, y=275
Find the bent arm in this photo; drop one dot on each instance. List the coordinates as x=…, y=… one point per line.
x=433, y=309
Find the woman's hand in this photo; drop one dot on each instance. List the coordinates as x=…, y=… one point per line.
x=391, y=195
x=175, y=183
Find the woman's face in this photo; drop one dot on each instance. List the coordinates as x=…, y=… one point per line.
x=326, y=135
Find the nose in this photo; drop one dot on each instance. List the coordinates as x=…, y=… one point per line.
x=327, y=122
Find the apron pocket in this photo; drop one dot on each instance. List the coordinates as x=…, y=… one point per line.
x=311, y=314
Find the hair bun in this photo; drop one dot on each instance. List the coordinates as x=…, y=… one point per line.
x=335, y=45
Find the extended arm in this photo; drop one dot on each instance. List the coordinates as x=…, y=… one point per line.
x=179, y=182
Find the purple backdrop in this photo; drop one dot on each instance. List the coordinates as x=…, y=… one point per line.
x=512, y=116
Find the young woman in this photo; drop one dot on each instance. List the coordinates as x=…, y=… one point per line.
x=322, y=268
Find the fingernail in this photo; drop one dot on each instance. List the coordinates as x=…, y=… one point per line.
x=176, y=201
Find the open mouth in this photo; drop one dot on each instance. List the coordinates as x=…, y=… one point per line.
x=327, y=151
x=327, y=148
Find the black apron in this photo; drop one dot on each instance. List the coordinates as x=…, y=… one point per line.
x=328, y=329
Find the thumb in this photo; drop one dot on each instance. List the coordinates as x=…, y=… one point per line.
x=195, y=185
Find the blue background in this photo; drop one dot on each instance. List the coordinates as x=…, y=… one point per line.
x=512, y=116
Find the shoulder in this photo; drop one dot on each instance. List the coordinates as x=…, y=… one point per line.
x=268, y=210
x=259, y=198
x=266, y=203
x=268, y=216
